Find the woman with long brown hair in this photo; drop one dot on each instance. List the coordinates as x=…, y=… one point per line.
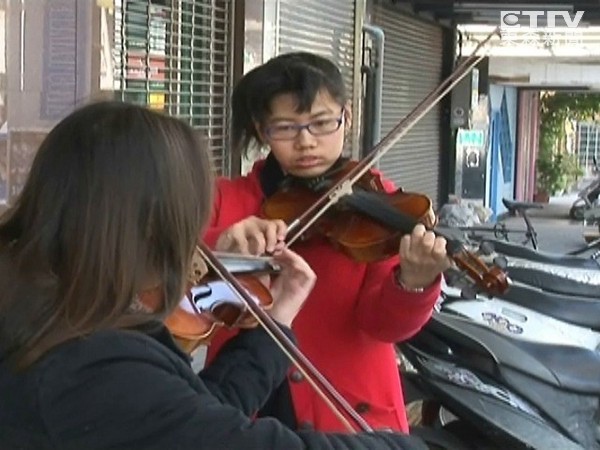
x=112, y=207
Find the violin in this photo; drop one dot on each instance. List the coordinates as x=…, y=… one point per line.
x=210, y=303
x=356, y=235
x=367, y=224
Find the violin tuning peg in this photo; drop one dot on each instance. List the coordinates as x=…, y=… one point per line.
x=501, y=262
x=486, y=248
x=452, y=277
x=458, y=280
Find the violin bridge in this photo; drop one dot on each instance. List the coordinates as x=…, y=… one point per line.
x=344, y=189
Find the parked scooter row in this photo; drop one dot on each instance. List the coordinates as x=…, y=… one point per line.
x=517, y=371
x=561, y=274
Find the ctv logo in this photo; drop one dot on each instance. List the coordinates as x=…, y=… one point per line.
x=513, y=19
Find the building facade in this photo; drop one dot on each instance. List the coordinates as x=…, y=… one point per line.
x=183, y=57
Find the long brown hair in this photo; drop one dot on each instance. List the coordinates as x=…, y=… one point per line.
x=114, y=203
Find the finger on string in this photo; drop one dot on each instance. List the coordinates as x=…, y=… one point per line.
x=428, y=241
x=271, y=237
x=285, y=257
x=416, y=238
x=281, y=229
x=279, y=247
x=293, y=260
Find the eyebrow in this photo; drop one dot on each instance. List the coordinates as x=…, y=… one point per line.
x=316, y=115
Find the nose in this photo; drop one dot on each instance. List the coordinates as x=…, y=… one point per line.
x=305, y=139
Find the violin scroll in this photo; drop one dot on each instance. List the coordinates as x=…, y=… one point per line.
x=492, y=280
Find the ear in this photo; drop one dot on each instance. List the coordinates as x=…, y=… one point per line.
x=259, y=133
x=347, y=116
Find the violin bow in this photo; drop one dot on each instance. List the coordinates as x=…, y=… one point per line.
x=344, y=186
x=302, y=363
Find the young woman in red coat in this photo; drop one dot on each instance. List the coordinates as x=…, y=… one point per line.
x=297, y=106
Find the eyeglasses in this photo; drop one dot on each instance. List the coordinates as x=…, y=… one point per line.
x=319, y=127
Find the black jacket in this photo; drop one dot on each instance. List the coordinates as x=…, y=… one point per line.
x=131, y=390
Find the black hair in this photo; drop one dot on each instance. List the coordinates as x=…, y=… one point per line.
x=300, y=73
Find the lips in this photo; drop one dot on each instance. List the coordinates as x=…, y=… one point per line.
x=309, y=161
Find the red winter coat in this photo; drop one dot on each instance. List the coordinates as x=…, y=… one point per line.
x=348, y=324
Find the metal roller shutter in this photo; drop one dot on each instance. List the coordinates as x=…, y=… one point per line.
x=412, y=69
x=324, y=27
x=174, y=56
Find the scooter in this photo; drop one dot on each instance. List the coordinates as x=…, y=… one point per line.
x=561, y=274
x=529, y=313
x=587, y=197
x=521, y=371
x=489, y=389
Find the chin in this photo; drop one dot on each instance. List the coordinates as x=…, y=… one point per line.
x=308, y=172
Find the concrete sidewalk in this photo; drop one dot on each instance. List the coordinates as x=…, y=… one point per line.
x=556, y=231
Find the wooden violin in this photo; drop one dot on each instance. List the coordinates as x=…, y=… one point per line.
x=209, y=302
x=367, y=224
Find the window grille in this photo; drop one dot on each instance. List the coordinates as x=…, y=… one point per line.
x=174, y=56
x=588, y=144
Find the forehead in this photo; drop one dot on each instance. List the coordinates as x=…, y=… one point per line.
x=287, y=105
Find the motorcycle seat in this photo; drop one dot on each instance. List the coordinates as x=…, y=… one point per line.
x=567, y=367
x=519, y=251
x=514, y=206
x=557, y=281
x=582, y=311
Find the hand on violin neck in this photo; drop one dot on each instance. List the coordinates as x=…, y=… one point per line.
x=423, y=257
x=291, y=287
x=253, y=236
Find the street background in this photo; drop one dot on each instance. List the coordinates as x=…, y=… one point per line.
x=557, y=233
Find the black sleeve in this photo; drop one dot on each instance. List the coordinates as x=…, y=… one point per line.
x=247, y=369
x=139, y=401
